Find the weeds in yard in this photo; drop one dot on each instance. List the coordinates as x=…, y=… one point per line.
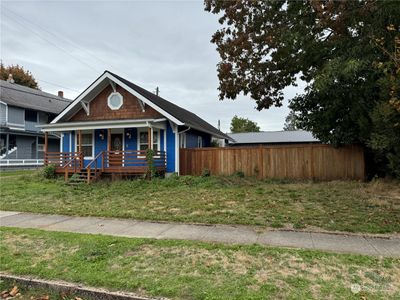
x=338, y=205
x=195, y=270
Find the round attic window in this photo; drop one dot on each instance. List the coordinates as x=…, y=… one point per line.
x=114, y=101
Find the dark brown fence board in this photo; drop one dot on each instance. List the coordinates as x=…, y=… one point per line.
x=301, y=161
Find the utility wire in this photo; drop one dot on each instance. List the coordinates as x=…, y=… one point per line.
x=59, y=37
x=50, y=42
x=55, y=84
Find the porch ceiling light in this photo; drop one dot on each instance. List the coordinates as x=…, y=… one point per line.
x=115, y=101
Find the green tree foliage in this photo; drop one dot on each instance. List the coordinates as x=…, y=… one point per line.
x=243, y=125
x=291, y=121
x=347, y=53
x=20, y=75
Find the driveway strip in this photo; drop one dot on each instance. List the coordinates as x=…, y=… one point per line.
x=387, y=247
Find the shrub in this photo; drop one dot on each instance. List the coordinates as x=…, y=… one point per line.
x=205, y=173
x=74, y=177
x=151, y=168
x=49, y=172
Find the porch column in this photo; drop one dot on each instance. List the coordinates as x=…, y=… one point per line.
x=79, y=140
x=46, y=141
x=108, y=139
x=150, y=137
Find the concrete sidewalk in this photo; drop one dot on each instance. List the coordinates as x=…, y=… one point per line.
x=389, y=247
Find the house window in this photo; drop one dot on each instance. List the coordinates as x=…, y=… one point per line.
x=144, y=140
x=87, y=144
x=115, y=101
x=30, y=115
x=199, y=142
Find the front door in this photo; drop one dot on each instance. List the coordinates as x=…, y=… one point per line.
x=116, y=149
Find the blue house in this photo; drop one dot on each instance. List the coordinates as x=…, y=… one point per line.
x=111, y=125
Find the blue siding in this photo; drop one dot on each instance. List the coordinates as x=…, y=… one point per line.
x=99, y=143
x=65, y=142
x=192, y=136
x=131, y=143
x=170, y=149
x=72, y=141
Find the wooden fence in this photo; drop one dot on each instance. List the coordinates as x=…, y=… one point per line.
x=301, y=161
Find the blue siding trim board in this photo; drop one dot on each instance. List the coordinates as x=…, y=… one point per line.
x=170, y=149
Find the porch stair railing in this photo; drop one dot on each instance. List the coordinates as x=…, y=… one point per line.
x=73, y=164
x=93, y=171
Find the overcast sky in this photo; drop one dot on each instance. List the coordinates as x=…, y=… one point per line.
x=67, y=45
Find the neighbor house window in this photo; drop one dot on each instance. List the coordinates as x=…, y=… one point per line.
x=115, y=101
x=199, y=142
x=87, y=144
x=144, y=140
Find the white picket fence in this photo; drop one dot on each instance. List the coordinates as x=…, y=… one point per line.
x=21, y=162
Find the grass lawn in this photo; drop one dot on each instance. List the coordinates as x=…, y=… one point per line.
x=194, y=270
x=340, y=205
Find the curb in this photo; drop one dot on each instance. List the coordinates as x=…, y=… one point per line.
x=66, y=287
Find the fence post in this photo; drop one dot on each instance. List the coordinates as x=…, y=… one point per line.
x=261, y=171
x=88, y=175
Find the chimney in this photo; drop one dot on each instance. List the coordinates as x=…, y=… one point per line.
x=10, y=78
x=61, y=94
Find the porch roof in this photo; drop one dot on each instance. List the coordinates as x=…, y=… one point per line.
x=108, y=124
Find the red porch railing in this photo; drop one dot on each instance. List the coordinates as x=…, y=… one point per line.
x=110, y=162
x=62, y=159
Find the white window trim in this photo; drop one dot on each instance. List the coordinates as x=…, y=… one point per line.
x=199, y=142
x=139, y=130
x=76, y=143
x=109, y=99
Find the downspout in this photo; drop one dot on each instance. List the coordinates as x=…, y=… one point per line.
x=184, y=130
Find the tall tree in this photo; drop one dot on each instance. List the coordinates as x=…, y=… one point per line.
x=291, y=122
x=345, y=52
x=243, y=125
x=20, y=75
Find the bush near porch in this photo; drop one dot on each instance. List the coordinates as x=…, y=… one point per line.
x=352, y=206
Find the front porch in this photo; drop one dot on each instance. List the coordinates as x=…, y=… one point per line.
x=91, y=153
x=106, y=163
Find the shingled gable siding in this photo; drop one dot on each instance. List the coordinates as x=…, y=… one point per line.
x=130, y=109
